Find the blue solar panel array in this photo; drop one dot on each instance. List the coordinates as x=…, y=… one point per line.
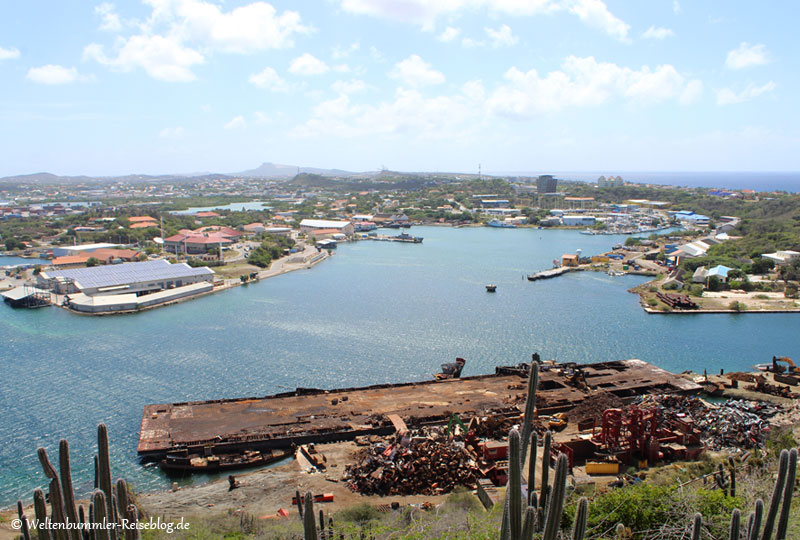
x=114, y=275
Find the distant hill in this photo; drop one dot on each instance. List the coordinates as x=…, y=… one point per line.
x=276, y=170
x=49, y=178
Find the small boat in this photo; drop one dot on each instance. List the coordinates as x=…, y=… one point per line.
x=491, y=288
x=181, y=461
x=501, y=224
x=405, y=237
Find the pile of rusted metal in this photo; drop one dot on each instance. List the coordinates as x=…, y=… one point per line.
x=592, y=407
x=734, y=424
x=425, y=463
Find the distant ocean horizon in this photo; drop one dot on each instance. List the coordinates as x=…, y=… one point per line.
x=759, y=181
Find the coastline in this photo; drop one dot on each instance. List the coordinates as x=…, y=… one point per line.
x=277, y=267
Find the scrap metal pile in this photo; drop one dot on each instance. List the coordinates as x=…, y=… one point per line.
x=733, y=424
x=423, y=463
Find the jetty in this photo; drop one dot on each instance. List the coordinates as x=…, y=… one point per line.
x=317, y=416
x=554, y=272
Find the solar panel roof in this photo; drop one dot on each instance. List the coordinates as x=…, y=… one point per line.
x=122, y=274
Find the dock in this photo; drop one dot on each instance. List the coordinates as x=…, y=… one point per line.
x=317, y=416
x=554, y=272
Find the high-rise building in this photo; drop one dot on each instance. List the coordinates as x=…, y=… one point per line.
x=546, y=184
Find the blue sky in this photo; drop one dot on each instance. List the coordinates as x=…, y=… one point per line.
x=175, y=86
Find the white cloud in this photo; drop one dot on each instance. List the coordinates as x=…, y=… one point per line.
x=109, y=19
x=349, y=87
x=179, y=33
x=747, y=55
x=376, y=55
x=269, y=79
x=502, y=37
x=414, y=72
x=308, y=64
x=426, y=12
x=726, y=96
x=692, y=92
x=236, y=122
x=596, y=14
x=676, y=7
x=408, y=114
x=165, y=59
x=585, y=82
x=9, y=54
x=53, y=74
x=657, y=33
x=449, y=34
x=340, y=52
x=171, y=132
x=469, y=43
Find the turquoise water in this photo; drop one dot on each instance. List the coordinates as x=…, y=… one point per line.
x=234, y=207
x=6, y=260
x=375, y=312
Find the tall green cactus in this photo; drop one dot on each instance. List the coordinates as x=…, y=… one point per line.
x=104, y=470
x=100, y=518
x=530, y=405
x=756, y=523
x=514, y=486
x=532, y=468
x=777, y=494
x=309, y=526
x=697, y=526
x=556, y=507
x=736, y=517
x=732, y=470
x=24, y=527
x=788, y=490
x=579, y=529
x=545, y=491
x=40, y=511
x=68, y=495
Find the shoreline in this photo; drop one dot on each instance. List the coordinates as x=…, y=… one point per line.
x=226, y=285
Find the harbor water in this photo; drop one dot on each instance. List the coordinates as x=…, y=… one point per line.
x=375, y=312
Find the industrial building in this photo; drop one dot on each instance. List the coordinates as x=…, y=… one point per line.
x=344, y=227
x=63, y=251
x=137, y=278
x=578, y=221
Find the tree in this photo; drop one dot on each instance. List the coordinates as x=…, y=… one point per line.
x=761, y=265
x=92, y=261
x=715, y=284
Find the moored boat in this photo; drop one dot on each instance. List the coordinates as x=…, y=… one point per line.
x=181, y=461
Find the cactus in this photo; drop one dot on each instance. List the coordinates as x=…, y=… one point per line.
x=783, y=521
x=309, y=527
x=736, y=517
x=532, y=470
x=57, y=508
x=579, y=530
x=755, y=526
x=100, y=515
x=530, y=403
x=299, y=502
x=68, y=496
x=24, y=527
x=529, y=523
x=40, y=511
x=514, y=486
x=545, y=491
x=697, y=526
x=732, y=470
x=556, y=507
x=777, y=492
x=104, y=470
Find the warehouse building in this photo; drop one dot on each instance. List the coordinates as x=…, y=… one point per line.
x=343, y=227
x=137, y=278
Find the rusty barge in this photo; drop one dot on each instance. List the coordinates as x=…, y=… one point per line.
x=317, y=416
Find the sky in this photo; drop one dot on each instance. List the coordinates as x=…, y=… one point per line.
x=180, y=86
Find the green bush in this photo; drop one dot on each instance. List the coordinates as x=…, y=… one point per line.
x=737, y=306
x=652, y=302
x=696, y=290
x=360, y=513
